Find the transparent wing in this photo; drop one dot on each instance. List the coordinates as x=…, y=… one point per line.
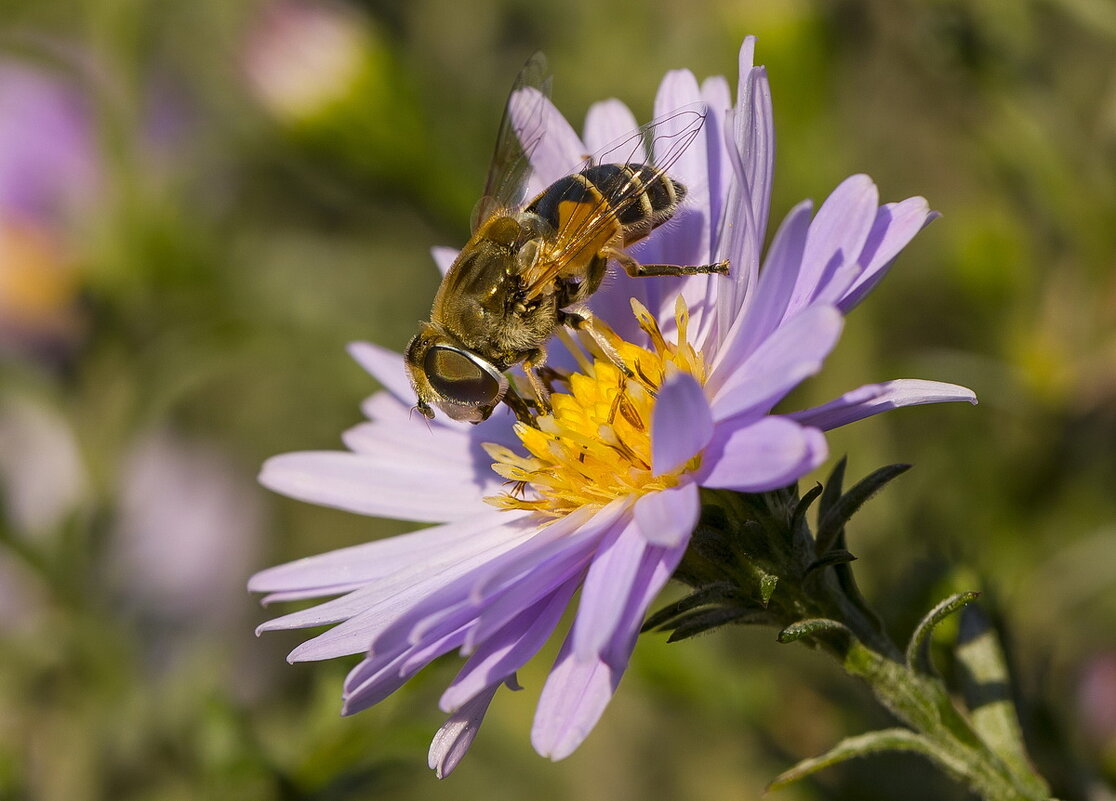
x=667, y=138
x=521, y=130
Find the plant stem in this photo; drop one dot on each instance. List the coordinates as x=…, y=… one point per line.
x=923, y=703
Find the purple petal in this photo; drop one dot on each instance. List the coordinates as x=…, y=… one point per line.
x=507, y=650
x=681, y=422
x=751, y=147
x=444, y=257
x=551, y=144
x=718, y=99
x=375, y=679
x=393, y=602
x=366, y=485
x=793, y=352
x=573, y=699
x=458, y=732
x=49, y=163
x=765, y=308
x=667, y=518
x=761, y=456
x=875, y=398
x=896, y=225
x=577, y=692
x=375, y=560
x=611, y=133
x=575, y=531
x=386, y=366
x=755, y=133
x=836, y=239
x=608, y=584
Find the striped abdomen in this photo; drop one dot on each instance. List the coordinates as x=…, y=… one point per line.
x=636, y=196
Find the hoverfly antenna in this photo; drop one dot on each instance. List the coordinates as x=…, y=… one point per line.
x=425, y=411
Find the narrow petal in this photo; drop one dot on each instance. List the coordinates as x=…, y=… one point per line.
x=507, y=650
x=875, y=398
x=668, y=518
x=612, y=133
x=761, y=456
x=680, y=148
x=374, y=679
x=718, y=99
x=386, y=366
x=374, y=560
x=608, y=584
x=896, y=225
x=765, y=308
x=551, y=144
x=793, y=352
x=444, y=257
x=573, y=699
x=458, y=732
x=836, y=239
x=577, y=691
x=400, y=599
x=681, y=423
x=360, y=483
x=751, y=146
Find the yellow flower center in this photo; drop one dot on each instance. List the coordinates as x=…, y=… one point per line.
x=596, y=444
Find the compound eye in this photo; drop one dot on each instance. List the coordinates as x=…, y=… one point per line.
x=462, y=378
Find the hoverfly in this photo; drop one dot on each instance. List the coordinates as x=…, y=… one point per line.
x=528, y=269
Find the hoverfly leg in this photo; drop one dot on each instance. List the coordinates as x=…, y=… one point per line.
x=550, y=376
x=531, y=368
x=519, y=407
x=637, y=270
x=580, y=318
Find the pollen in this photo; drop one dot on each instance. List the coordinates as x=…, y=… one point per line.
x=595, y=446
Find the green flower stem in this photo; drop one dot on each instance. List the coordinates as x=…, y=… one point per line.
x=923, y=703
x=753, y=559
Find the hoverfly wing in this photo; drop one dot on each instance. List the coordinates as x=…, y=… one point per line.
x=659, y=143
x=521, y=129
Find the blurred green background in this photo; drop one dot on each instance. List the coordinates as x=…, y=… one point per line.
x=202, y=202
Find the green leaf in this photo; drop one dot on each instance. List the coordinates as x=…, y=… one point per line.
x=833, y=515
x=705, y=620
x=837, y=556
x=876, y=742
x=831, y=495
x=804, y=504
x=918, y=657
x=711, y=594
x=986, y=688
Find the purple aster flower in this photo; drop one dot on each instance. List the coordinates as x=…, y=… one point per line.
x=605, y=490
x=48, y=164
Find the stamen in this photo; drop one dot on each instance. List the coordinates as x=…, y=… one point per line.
x=595, y=446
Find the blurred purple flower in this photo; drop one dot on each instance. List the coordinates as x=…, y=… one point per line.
x=188, y=530
x=300, y=58
x=48, y=176
x=48, y=163
x=610, y=479
x=1096, y=699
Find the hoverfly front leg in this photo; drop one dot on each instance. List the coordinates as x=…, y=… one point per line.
x=637, y=270
x=519, y=407
x=531, y=366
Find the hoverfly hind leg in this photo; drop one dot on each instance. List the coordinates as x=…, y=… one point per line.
x=637, y=270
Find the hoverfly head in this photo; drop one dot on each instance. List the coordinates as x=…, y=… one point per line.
x=458, y=382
